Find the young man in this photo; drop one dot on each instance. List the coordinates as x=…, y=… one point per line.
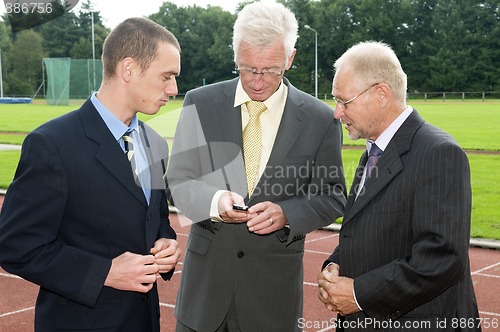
x=82, y=218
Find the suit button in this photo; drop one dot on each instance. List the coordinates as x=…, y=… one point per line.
x=240, y=254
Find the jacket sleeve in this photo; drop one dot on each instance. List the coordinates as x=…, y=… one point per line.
x=32, y=215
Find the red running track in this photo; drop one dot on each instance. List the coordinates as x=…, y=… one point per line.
x=17, y=297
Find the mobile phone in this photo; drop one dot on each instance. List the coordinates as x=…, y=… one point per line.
x=240, y=207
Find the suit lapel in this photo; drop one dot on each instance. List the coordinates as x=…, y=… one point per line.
x=109, y=153
x=357, y=179
x=230, y=121
x=389, y=165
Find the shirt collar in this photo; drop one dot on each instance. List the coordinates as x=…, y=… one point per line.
x=117, y=127
x=386, y=136
x=242, y=97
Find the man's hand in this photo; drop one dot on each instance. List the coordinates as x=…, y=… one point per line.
x=226, y=211
x=166, y=253
x=132, y=272
x=329, y=272
x=266, y=217
x=337, y=293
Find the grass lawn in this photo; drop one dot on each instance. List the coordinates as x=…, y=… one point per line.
x=485, y=214
x=8, y=165
x=485, y=196
x=474, y=124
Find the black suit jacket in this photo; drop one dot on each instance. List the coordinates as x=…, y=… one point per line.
x=405, y=239
x=73, y=206
x=262, y=274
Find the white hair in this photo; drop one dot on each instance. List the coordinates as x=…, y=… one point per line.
x=260, y=23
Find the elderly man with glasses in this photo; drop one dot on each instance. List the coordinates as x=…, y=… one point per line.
x=273, y=152
x=402, y=262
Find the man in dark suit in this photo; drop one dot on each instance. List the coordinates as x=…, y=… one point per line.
x=74, y=221
x=243, y=269
x=402, y=260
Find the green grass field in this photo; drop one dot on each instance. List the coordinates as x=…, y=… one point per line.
x=474, y=124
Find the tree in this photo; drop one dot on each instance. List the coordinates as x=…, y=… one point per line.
x=5, y=47
x=205, y=36
x=25, y=64
x=467, y=50
x=83, y=48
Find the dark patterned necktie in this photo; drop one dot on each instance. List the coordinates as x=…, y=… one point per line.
x=373, y=156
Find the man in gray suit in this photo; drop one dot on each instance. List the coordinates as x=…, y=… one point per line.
x=402, y=261
x=243, y=269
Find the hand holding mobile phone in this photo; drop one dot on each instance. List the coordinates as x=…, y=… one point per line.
x=240, y=207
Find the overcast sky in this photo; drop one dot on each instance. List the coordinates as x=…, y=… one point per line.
x=115, y=11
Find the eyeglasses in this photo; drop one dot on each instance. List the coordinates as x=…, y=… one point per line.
x=345, y=103
x=263, y=73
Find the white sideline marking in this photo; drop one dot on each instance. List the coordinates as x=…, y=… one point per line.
x=8, y=275
x=489, y=313
x=318, y=252
x=171, y=306
x=486, y=268
x=322, y=238
x=486, y=275
x=16, y=312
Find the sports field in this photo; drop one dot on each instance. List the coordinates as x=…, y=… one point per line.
x=474, y=124
x=18, y=296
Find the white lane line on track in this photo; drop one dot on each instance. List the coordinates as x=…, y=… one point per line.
x=486, y=268
x=318, y=252
x=7, y=275
x=322, y=238
x=16, y=312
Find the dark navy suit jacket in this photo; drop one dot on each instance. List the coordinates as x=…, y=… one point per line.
x=73, y=206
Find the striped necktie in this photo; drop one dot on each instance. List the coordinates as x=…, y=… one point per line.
x=128, y=142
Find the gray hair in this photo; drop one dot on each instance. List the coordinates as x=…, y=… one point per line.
x=259, y=23
x=375, y=62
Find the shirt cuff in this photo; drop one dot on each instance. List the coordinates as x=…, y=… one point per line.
x=355, y=299
x=214, y=206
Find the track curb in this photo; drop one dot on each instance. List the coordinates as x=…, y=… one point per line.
x=474, y=242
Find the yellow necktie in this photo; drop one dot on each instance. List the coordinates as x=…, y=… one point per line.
x=252, y=143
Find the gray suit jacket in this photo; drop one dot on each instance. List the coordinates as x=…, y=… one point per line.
x=405, y=238
x=225, y=263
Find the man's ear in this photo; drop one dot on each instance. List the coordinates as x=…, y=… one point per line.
x=290, y=59
x=125, y=68
x=384, y=94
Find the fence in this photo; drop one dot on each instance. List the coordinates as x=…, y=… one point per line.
x=444, y=96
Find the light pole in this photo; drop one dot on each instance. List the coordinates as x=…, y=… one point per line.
x=91, y=8
x=315, y=59
x=1, y=76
